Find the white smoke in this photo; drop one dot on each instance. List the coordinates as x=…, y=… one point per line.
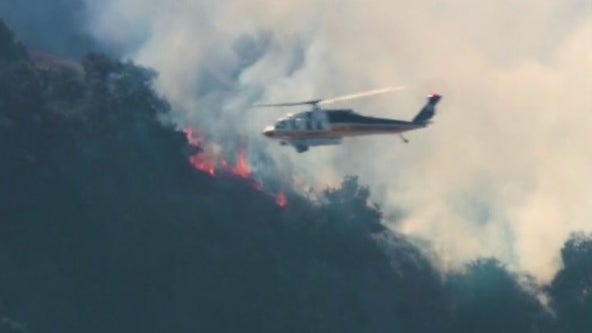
x=504, y=170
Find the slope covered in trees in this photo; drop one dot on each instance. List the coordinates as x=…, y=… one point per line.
x=106, y=227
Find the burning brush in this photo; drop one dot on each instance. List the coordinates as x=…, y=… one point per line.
x=209, y=161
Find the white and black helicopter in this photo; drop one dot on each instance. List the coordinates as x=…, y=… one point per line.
x=321, y=127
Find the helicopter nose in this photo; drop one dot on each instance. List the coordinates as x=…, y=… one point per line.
x=268, y=132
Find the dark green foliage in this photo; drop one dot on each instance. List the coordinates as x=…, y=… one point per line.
x=571, y=290
x=102, y=204
x=58, y=26
x=488, y=298
x=348, y=206
x=105, y=227
x=10, y=50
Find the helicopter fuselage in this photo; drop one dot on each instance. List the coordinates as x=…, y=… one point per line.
x=327, y=127
x=320, y=127
x=335, y=123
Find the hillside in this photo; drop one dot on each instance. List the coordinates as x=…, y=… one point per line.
x=107, y=227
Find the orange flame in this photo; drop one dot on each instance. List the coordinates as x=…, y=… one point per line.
x=207, y=160
x=201, y=163
x=194, y=137
x=242, y=168
x=281, y=200
x=199, y=160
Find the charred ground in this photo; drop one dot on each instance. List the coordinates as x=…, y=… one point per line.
x=106, y=227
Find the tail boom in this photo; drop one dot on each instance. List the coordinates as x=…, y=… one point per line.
x=428, y=111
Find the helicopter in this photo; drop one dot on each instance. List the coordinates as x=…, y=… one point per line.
x=322, y=127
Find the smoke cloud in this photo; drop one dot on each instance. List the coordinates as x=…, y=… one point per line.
x=51, y=26
x=503, y=171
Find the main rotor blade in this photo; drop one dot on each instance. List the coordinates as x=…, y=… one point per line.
x=315, y=102
x=360, y=95
x=311, y=102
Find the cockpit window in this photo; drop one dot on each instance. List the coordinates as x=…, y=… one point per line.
x=281, y=125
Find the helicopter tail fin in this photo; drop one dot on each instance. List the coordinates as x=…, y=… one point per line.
x=428, y=111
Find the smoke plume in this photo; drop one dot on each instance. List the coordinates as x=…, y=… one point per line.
x=107, y=227
x=502, y=172
x=57, y=27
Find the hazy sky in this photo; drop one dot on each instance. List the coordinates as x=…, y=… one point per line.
x=505, y=170
x=55, y=26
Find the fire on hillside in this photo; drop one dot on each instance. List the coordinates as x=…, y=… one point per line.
x=211, y=162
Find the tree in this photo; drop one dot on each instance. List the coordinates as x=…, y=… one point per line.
x=571, y=289
x=10, y=50
x=349, y=206
x=488, y=298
